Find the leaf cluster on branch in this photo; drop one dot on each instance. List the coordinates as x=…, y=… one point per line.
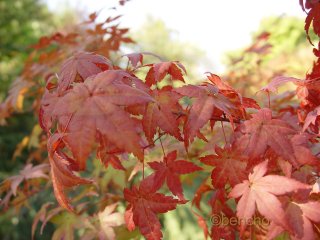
x=93, y=105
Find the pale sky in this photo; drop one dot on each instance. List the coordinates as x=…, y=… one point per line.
x=216, y=26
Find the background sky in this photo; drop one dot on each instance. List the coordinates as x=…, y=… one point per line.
x=216, y=26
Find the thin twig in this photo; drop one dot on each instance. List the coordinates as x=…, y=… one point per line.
x=164, y=154
x=224, y=133
x=152, y=144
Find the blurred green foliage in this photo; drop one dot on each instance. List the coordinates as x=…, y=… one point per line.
x=284, y=52
x=287, y=33
x=22, y=22
x=289, y=47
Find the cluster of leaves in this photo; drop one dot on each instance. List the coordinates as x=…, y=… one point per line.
x=266, y=167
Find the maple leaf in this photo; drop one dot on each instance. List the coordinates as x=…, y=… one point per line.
x=61, y=172
x=207, y=100
x=144, y=204
x=219, y=83
x=310, y=214
x=106, y=153
x=310, y=3
x=280, y=80
x=221, y=211
x=44, y=215
x=158, y=71
x=136, y=58
x=202, y=224
x=230, y=167
x=128, y=218
x=114, y=41
x=203, y=188
x=314, y=18
x=301, y=218
x=28, y=172
x=218, y=203
x=82, y=64
x=96, y=107
x=39, y=216
x=160, y=113
x=93, y=16
x=15, y=99
x=222, y=232
x=108, y=220
x=302, y=152
x=169, y=170
x=66, y=223
x=311, y=118
x=260, y=191
x=113, y=160
x=254, y=136
x=235, y=97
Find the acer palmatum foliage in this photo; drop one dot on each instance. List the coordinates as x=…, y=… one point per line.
x=264, y=164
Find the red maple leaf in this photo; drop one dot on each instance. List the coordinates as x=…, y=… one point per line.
x=169, y=170
x=82, y=64
x=280, y=80
x=208, y=99
x=111, y=159
x=260, y=191
x=28, y=172
x=311, y=118
x=160, y=113
x=106, y=152
x=158, y=71
x=301, y=218
x=230, y=167
x=144, y=204
x=222, y=232
x=202, y=224
x=307, y=4
x=61, y=171
x=240, y=102
x=302, y=152
x=314, y=18
x=202, y=189
x=254, y=136
x=96, y=107
x=220, y=211
x=136, y=58
x=219, y=205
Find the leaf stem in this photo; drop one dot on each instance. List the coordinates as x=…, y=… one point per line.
x=224, y=133
x=164, y=154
